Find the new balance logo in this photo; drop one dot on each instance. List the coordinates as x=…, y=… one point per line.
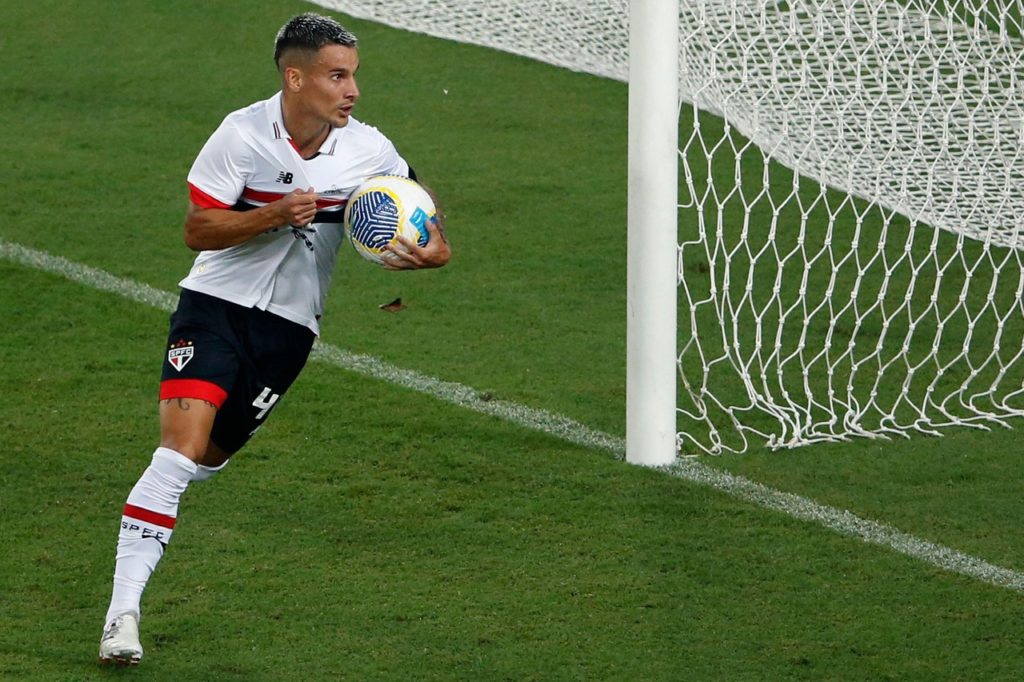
x=284, y=177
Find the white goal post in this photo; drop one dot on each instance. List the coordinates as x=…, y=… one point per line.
x=851, y=207
x=652, y=199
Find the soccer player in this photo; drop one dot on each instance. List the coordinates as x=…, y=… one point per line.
x=267, y=194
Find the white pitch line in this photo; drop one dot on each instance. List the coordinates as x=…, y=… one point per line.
x=690, y=469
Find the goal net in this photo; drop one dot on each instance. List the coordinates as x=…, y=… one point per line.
x=852, y=202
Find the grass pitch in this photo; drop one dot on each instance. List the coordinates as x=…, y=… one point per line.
x=370, y=532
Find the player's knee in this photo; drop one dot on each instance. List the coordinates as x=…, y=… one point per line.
x=193, y=448
x=214, y=457
x=185, y=426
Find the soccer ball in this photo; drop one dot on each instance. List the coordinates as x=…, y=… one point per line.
x=384, y=208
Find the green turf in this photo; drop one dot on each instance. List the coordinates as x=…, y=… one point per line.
x=436, y=544
x=374, y=533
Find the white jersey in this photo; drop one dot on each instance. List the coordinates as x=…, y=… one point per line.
x=250, y=161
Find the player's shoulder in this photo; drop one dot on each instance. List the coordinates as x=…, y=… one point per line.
x=245, y=127
x=248, y=116
x=364, y=131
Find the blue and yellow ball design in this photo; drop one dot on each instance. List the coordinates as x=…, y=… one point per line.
x=384, y=208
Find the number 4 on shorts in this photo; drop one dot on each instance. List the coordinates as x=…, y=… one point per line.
x=264, y=401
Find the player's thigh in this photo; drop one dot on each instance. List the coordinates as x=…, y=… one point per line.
x=276, y=353
x=199, y=370
x=185, y=425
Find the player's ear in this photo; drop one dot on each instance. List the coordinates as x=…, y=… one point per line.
x=292, y=77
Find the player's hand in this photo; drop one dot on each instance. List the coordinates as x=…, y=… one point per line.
x=408, y=255
x=298, y=208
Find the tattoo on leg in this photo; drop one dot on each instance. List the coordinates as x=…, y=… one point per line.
x=185, y=405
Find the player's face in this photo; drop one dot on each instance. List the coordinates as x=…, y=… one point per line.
x=330, y=89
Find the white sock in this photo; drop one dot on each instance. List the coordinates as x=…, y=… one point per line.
x=204, y=472
x=146, y=527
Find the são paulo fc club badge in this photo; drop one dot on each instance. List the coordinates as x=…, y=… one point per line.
x=180, y=353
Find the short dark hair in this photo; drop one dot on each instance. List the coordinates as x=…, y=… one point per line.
x=309, y=32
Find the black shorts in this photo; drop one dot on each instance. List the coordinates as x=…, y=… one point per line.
x=240, y=359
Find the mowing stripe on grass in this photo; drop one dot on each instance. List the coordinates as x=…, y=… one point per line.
x=687, y=468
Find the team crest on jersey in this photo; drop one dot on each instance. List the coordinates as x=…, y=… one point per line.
x=180, y=353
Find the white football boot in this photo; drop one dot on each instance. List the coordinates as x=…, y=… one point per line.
x=120, y=641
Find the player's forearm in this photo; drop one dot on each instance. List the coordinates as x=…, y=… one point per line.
x=211, y=229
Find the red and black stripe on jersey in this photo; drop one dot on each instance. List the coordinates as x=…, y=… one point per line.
x=334, y=209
